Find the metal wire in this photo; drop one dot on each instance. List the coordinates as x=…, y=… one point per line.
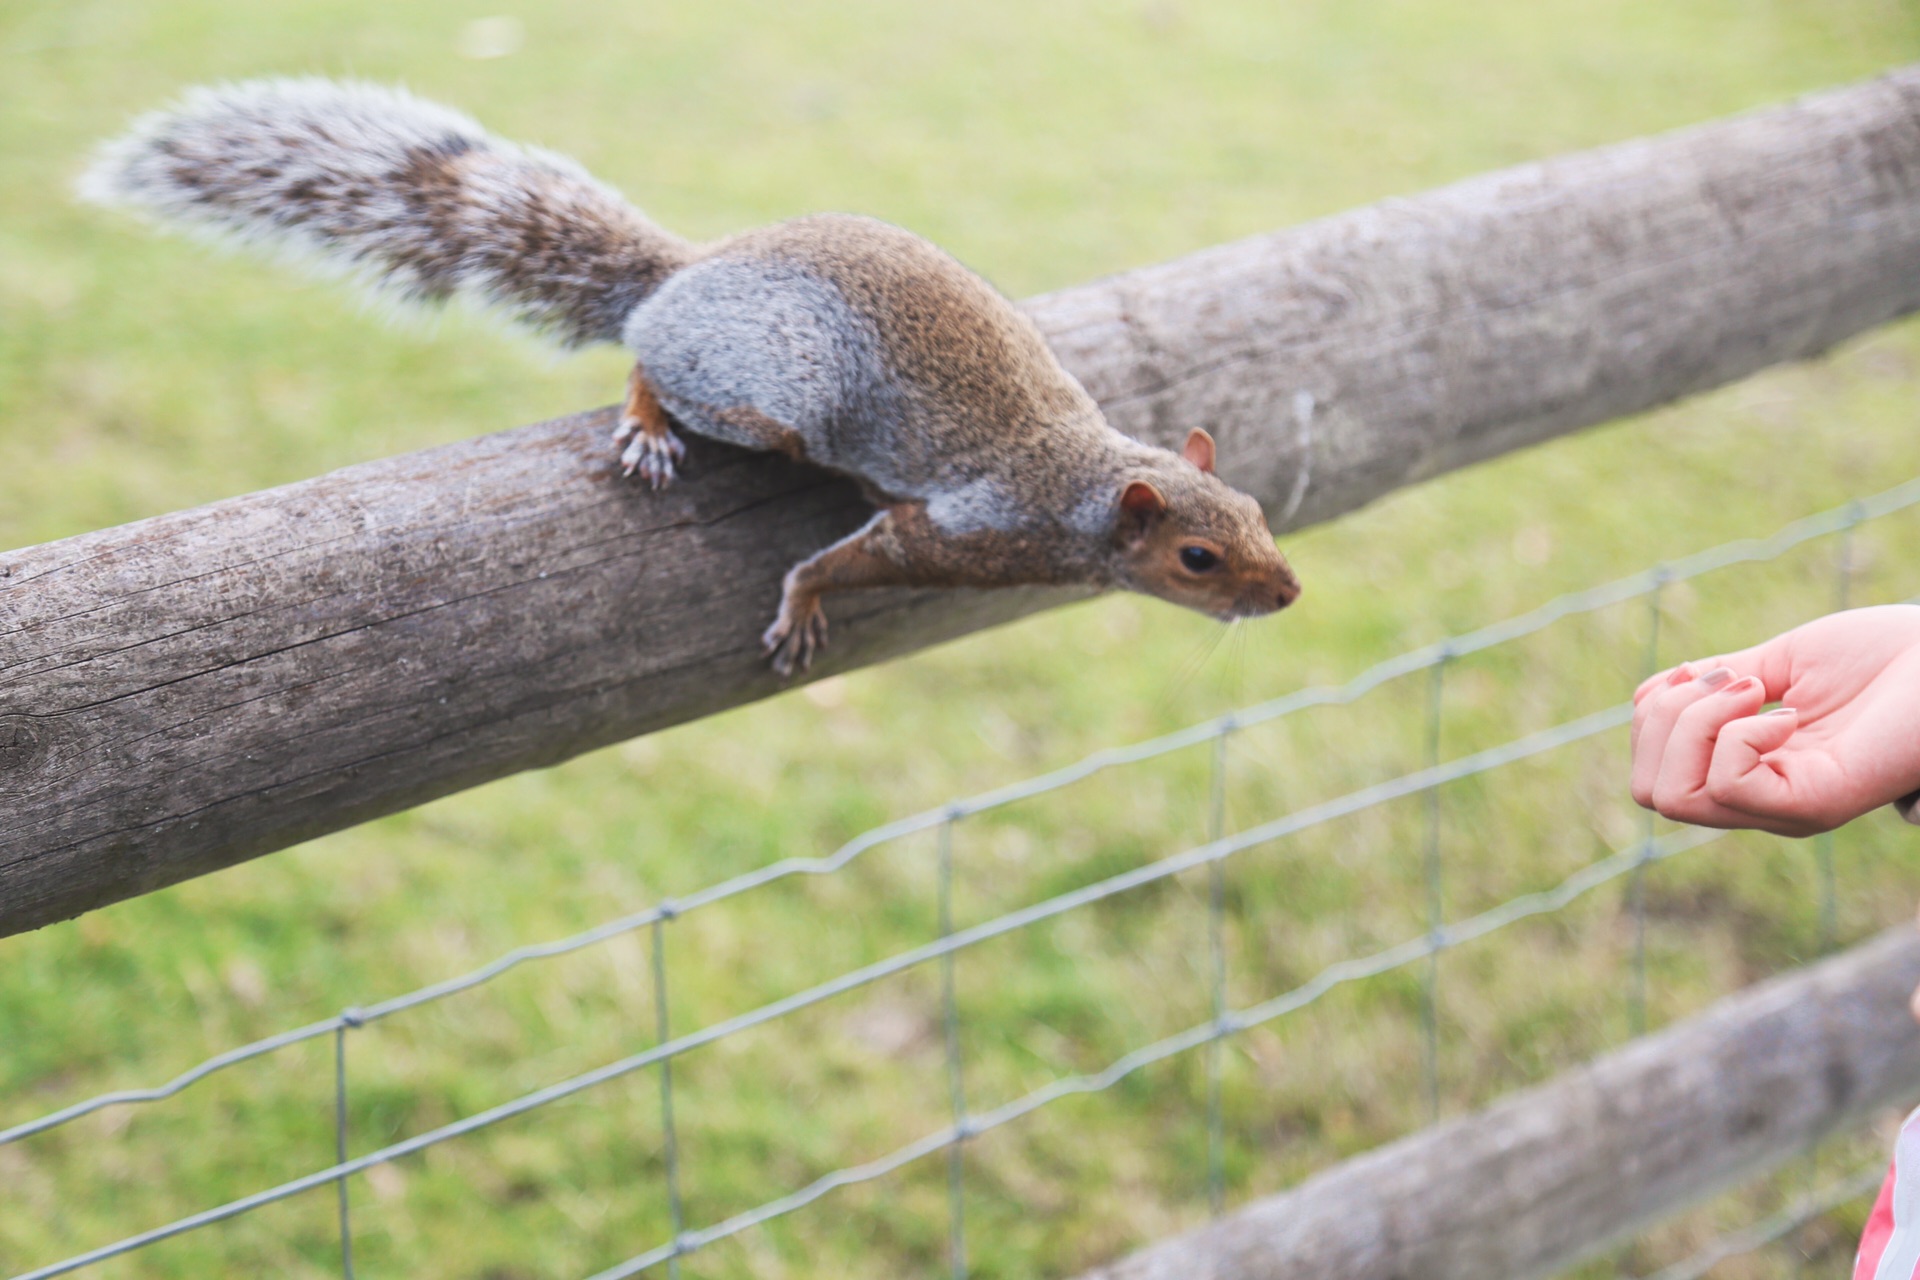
x=1217, y=956
x=1581, y=882
x=1211, y=855
x=956, y=1087
x=1768, y=1230
x=669, y=1134
x=1637, y=892
x=1823, y=843
x=340, y=1147
x=1354, y=802
x=1430, y=995
x=1743, y=551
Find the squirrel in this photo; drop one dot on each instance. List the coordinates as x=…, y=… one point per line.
x=836, y=339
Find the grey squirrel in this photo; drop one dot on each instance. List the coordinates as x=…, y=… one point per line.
x=840, y=340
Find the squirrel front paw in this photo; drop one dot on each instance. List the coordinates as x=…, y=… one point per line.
x=795, y=636
x=650, y=455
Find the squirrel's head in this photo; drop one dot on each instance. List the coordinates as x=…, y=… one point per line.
x=1181, y=533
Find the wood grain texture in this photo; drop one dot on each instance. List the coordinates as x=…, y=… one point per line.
x=1543, y=1179
x=188, y=691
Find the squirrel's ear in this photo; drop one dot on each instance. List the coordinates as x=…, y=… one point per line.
x=1199, y=450
x=1140, y=504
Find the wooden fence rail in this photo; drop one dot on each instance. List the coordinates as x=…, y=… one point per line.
x=1548, y=1177
x=188, y=691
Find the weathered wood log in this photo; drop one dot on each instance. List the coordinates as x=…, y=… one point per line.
x=188, y=691
x=1543, y=1179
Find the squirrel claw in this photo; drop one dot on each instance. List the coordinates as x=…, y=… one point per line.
x=795, y=636
x=651, y=456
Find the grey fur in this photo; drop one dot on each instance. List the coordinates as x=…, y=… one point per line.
x=843, y=340
x=795, y=352
x=413, y=198
x=798, y=353
x=987, y=503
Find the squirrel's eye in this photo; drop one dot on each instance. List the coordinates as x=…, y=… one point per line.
x=1198, y=559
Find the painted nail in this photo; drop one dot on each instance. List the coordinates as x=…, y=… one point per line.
x=1717, y=677
x=1680, y=674
x=1784, y=711
x=1742, y=686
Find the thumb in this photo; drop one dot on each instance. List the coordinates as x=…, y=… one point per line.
x=1737, y=777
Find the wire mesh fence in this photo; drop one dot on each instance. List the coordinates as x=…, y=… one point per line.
x=1204, y=1041
x=1771, y=1230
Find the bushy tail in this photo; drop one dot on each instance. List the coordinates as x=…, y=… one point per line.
x=416, y=198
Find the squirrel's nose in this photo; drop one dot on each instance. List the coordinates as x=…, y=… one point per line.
x=1288, y=592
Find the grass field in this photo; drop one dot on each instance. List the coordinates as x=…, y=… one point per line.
x=1044, y=145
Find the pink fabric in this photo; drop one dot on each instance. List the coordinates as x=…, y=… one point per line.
x=1879, y=1229
x=1890, y=1245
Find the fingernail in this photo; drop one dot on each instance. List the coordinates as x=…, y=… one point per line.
x=1742, y=686
x=1784, y=711
x=1717, y=677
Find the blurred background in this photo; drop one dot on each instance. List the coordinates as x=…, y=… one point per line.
x=1044, y=145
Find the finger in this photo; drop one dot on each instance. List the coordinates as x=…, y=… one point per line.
x=1655, y=719
x=1645, y=696
x=1740, y=778
x=1770, y=661
x=1664, y=680
x=1680, y=786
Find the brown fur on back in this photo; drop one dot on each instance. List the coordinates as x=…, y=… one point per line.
x=942, y=328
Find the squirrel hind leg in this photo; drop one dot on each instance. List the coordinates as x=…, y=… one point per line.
x=646, y=440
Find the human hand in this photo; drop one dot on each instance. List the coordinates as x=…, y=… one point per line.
x=1846, y=739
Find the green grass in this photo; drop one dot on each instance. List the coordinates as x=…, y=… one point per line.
x=1044, y=145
